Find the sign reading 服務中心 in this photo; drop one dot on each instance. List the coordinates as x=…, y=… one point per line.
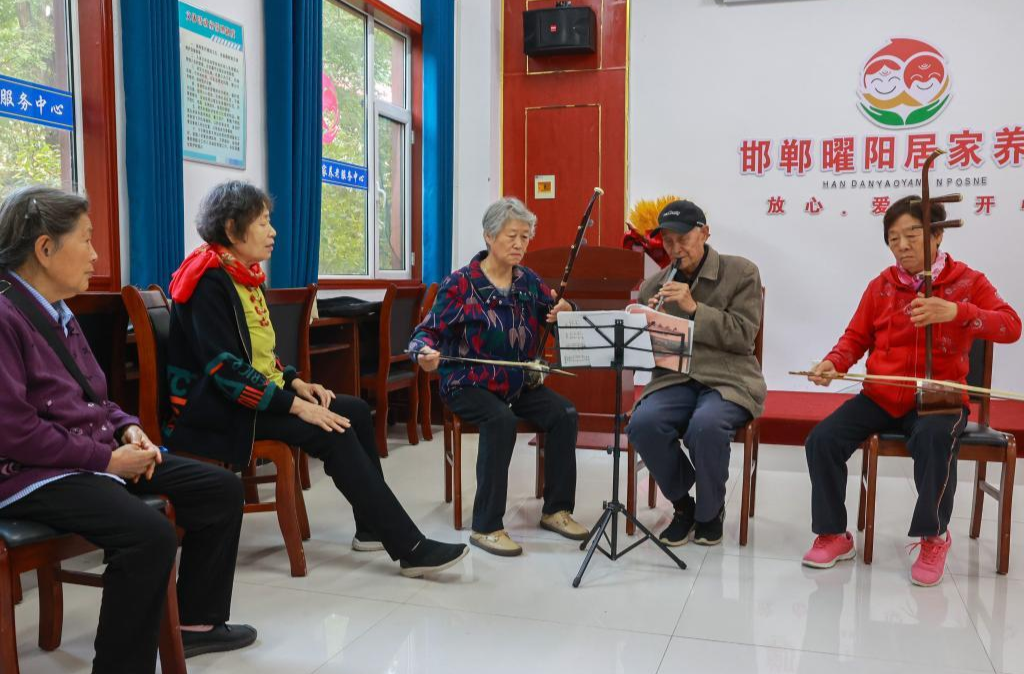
x=212, y=88
x=35, y=103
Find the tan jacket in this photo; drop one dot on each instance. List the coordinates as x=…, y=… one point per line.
x=728, y=296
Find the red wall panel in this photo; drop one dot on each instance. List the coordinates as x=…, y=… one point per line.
x=566, y=116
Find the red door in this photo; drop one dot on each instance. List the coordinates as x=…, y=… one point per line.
x=563, y=142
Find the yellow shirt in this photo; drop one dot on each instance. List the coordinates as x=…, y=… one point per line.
x=261, y=332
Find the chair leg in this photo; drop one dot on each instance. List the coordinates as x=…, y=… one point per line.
x=1006, y=508
x=652, y=490
x=538, y=486
x=447, y=456
x=978, y=503
x=304, y=471
x=300, y=500
x=8, y=633
x=251, y=490
x=16, y=589
x=748, y=460
x=51, y=606
x=753, y=472
x=630, y=487
x=172, y=653
x=413, y=419
x=286, y=507
x=424, y=393
x=381, y=422
x=861, y=504
x=457, y=475
x=869, y=517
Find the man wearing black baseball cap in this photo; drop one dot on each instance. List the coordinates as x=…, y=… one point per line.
x=723, y=389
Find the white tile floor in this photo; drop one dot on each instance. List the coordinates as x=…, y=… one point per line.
x=752, y=609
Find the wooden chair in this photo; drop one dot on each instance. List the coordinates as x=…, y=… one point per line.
x=293, y=307
x=979, y=443
x=27, y=546
x=749, y=435
x=423, y=378
x=289, y=308
x=454, y=428
x=399, y=315
x=104, y=322
x=150, y=314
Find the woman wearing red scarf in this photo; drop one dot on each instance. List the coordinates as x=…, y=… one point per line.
x=888, y=326
x=228, y=388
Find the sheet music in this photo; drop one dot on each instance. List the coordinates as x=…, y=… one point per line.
x=584, y=345
x=671, y=336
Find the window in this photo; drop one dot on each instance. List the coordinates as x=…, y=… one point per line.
x=367, y=139
x=37, y=115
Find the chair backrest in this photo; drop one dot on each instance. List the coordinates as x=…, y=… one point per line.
x=290, y=310
x=104, y=322
x=150, y=314
x=399, y=316
x=979, y=373
x=428, y=300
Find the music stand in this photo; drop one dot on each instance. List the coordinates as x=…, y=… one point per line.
x=619, y=343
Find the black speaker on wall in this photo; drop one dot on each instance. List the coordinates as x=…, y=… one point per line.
x=561, y=30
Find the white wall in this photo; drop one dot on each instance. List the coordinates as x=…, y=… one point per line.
x=477, y=121
x=198, y=177
x=410, y=8
x=791, y=70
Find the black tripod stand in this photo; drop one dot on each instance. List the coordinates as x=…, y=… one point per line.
x=614, y=507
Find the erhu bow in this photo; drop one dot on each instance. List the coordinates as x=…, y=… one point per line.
x=535, y=377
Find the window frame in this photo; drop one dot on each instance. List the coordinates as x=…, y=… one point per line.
x=98, y=128
x=377, y=13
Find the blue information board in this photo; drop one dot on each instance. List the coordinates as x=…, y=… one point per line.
x=213, y=115
x=344, y=174
x=36, y=103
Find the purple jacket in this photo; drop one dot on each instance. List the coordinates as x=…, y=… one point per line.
x=47, y=427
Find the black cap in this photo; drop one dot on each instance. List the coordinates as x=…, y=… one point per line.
x=680, y=217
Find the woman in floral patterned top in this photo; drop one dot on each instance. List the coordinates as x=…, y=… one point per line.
x=492, y=308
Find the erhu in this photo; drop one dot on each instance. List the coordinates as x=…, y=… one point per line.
x=535, y=377
x=931, y=398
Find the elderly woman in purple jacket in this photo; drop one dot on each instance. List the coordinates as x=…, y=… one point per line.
x=73, y=460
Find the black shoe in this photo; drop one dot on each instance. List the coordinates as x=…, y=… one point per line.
x=222, y=637
x=432, y=556
x=366, y=541
x=710, y=533
x=678, y=532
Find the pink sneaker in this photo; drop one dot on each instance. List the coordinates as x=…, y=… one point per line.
x=931, y=561
x=829, y=549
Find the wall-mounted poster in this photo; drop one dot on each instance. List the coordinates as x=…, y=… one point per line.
x=212, y=88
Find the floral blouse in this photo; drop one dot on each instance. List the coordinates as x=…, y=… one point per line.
x=473, y=319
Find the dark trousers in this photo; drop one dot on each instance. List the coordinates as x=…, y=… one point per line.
x=707, y=423
x=497, y=421
x=933, y=443
x=140, y=544
x=351, y=460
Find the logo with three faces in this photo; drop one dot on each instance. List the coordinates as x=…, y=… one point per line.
x=904, y=84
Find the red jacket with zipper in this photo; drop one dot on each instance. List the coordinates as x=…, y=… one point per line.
x=881, y=326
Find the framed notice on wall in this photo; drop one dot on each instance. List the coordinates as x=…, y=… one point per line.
x=212, y=88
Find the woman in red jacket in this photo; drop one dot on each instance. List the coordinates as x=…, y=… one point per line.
x=888, y=326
